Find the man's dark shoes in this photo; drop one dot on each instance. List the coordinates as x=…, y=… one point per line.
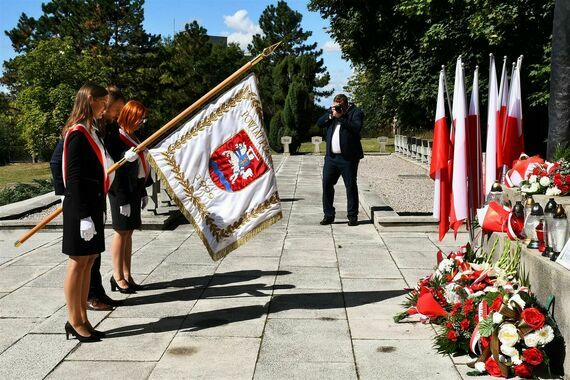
x=99, y=305
x=327, y=220
x=352, y=222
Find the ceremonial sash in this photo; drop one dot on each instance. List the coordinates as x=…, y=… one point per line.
x=102, y=156
x=144, y=170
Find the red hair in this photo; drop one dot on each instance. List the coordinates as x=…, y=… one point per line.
x=131, y=116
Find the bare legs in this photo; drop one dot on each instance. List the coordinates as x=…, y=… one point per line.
x=121, y=251
x=76, y=289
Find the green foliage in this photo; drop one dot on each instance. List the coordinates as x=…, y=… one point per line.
x=486, y=326
x=562, y=152
x=276, y=131
x=25, y=191
x=398, y=47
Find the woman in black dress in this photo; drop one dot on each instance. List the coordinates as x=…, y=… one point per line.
x=85, y=164
x=128, y=194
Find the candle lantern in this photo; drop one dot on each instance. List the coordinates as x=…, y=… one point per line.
x=497, y=195
x=540, y=236
x=530, y=225
x=528, y=206
x=558, y=231
x=549, y=211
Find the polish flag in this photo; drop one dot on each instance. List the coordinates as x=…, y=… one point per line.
x=474, y=144
x=458, y=211
x=439, y=170
x=492, y=129
x=513, y=139
x=502, y=118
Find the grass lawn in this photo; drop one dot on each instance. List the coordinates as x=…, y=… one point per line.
x=23, y=173
x=369, y=145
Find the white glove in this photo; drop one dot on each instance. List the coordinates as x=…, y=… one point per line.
x=87, y=229
x=144, y=202
x=131, y=155
x=125, y=210
x=62, y=199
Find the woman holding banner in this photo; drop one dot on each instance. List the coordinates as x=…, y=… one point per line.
x=128, y=194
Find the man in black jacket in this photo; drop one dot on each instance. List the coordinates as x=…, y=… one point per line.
x=343, y=124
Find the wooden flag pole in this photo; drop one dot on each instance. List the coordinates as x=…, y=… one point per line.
x=181, y=116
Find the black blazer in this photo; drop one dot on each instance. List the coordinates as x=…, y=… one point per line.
x=126, y=185
x=56, y=169
x=350, y=127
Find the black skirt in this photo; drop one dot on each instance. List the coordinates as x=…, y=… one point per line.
x=73, y=244
x=133, y=222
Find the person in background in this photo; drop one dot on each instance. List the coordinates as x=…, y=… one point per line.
x=343, y=124
x=85, y=164
x=97, y=298
x=128, y=195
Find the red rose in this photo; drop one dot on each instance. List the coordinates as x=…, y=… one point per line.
x=467, y=307
x=523, y=370
x=564, y=189
x=455, y=308
x=533, y=317
x=484, y=341
x=497, y=303
x=493, y=368
x=452, y=336
x=557, y=179
x=449, y=325
x=464, y=324
x=532, y=356
x=567, y=178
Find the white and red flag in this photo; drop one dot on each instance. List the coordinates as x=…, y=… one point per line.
x=492, y=129
x=476, y=195
x=513, y=139
x=459, y=207
x=218, y=170
x=439, y=166
x=502, y=118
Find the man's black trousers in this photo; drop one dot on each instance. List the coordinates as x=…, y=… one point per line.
x=333, y=168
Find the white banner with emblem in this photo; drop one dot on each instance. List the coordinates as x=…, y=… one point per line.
x=218, y=169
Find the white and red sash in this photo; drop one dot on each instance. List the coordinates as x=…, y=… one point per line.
x=104, y=159
x=144, y=169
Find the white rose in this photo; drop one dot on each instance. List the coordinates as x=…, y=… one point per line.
x=445, y=265
x=531, y=340
x=509, y=350
x=525, y=189
x=545, y=335
x=516, y=360
x=553, y=191
x=544, y=181
x=533, y=178
x=508, y=334
x=480, y=366
x=534, y=187
x=497, y=318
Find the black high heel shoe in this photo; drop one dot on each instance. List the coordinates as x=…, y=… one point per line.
x=115, y=287
x=97, y=333
x=83, y=339
x=133, y=285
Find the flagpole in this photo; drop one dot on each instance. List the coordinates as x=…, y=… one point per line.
x=181, y=116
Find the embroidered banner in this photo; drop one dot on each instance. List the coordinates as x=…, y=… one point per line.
x=218, y=169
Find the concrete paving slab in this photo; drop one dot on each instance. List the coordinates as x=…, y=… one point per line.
x=227, y=286
x=3, y=294
x=369, y=328
x=415, y=259
x=245, y=264
x=168, y=275
x=356, y=267
x=44, y=256
x=297, y=242
x=307, y=304
x=306, y=340
x=96, y=370
x=12, y=329
x=131, y=339
x=192, y=357
x=301, y=370
x=410, y=244
x=31, y=303
x=309, y=257
x=158, y=303
x=53, y=278
x=310, y=278
x=464, y=369
x=238, y=317
x=413, y=275
x=34, y=356
x=196, y=255
x=13, y=277
x=374, y=303
x=54, y=324
x=408, y=360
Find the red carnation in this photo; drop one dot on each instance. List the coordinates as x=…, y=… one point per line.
x=464, y=324
x=564, y=189
x=452, y=336
x=536, y=170
x=567, y=178
x=557, y=179
x=468, y=306
x=493, y=368
x=484, y=341
x=455, y=308
x=497, y=303
x=523, y=370
x=532, y=356
x=533, y=317
x=449, y=325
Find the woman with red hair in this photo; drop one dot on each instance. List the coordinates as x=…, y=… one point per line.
x=128, y=195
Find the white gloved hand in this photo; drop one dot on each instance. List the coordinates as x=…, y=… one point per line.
x=131, y=155
x=62, y=199
x=125, y=210
x=87, y=229
x=144, y=202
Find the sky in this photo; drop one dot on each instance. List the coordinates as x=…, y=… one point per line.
x=238, y=20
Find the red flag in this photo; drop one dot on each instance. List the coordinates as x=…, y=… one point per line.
x=474, y=148
x=439, y=171
x=501, y=119
x=513, y=139
x=492, y=129
x=459, y=207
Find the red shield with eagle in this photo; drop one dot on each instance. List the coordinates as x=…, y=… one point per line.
x=236, y=163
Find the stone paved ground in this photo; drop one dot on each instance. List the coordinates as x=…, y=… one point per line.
x=299, y=301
